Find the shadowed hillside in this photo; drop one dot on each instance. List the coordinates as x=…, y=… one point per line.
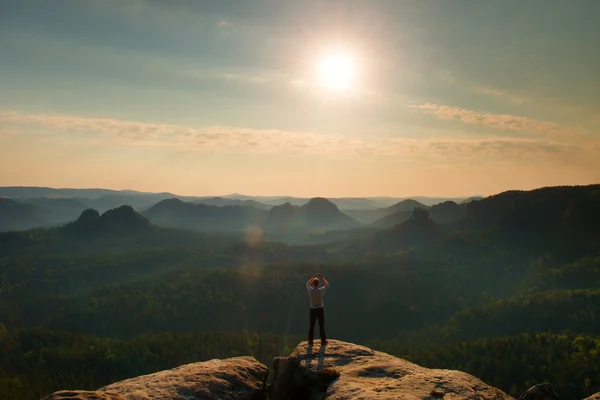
x=201, y=217
x=317, y=214
x=18, y=216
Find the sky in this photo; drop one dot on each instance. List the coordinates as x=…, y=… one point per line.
x=302, y=98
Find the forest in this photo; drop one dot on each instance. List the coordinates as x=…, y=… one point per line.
x=510, y=293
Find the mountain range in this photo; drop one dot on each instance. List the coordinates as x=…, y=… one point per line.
x=32, y=207
x=319, y=219
x=575, y=205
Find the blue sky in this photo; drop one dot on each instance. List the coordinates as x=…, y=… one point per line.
x=212, y=97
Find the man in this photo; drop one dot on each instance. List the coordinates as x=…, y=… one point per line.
x=317, y=312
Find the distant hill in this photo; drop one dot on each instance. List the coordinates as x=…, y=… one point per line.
x=34, y=212
x=100, y=199
x=202, y=217
x=317, y=214
x=104, y=199
x=109, y=201
x=119, y=221
x=270, y=200
x=222, y=202
x=19, y=216
x=342, y=203
x=418, y=229
x=393, y=219
x=441, y=213
x=516, y=212
x=431, y=201
x=34, y=191
x=406, y=205
x=470, y=199
x=448, y=211
x=39, y=191
x=383, y=216
x=57, y=210
x=320, y=212
x=347, y=203
x=367, y=216
x=544, y=210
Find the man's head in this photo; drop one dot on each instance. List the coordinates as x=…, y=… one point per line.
x=315, y=282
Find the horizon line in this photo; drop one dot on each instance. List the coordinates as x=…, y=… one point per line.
x=243, y=194
x=284, y=196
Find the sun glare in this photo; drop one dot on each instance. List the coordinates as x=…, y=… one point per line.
x=336, y=71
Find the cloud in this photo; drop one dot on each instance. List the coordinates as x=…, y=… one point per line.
x=6, y=132
x=229, y=75
x=494, y=150
x=222, y=139
x=581, y=112
x=504, y=94
x=584, y=112
x=111, y=132
x=500, y=121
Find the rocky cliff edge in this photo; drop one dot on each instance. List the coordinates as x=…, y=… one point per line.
x=337, y=370
x=237, y=378
x=340, y=370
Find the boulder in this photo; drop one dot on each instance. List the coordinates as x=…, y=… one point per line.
x=542, y=391
x=341, y=370
x=236, y=378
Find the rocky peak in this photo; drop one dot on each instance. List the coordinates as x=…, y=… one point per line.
x=320, y=205
x=168, y=204
x=320, y=211
x=118, y=220
x=283, y=209
x=88, y=216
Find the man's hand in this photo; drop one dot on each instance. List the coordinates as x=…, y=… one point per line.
x=309, y=282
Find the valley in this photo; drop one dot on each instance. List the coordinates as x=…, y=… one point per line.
x=476, y=286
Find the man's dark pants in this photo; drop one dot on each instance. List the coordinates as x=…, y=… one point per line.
x=317, y=314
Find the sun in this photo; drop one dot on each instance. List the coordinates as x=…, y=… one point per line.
x=337, y=71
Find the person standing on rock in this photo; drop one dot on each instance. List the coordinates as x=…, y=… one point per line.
x=317, y=310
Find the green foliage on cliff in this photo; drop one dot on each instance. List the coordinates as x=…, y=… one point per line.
x=37, y=362
x=569, y=361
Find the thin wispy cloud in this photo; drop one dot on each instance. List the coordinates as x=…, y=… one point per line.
x=222, y=139
x=503, y=94
x=165, y=136
x=584, y=113
x=493, y=150
x=500, y=121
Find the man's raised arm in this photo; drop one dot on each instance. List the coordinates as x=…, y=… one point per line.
x=324, y=281
x=310, y=280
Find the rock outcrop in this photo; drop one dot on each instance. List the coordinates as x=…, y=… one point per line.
x=340, y=370
x=336, y=371
x=237, y=378
x=542, y=391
